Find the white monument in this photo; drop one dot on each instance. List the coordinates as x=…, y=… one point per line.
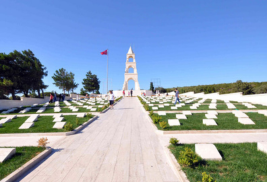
x=131, y=76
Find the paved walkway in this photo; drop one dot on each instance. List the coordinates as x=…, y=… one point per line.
x=119, y=146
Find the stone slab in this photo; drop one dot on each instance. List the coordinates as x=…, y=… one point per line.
x=161, y=106
x=166, y=104
x=162, y=113
x=211, y=116
x=59, y=125
x=187, y=113
x=6, y=153
x=57, y=115
x=155, y=108
x=241, y=115
x=208, y=152
x=209, y=122
x=58, y=119
x=173, y=122
x=26, y=125
x=246, y=121
x=262, y=146
x=181, y=116
x=12, y=117
x=81, y=115
x=150, y=104
x=173, y=107
x=93, y=109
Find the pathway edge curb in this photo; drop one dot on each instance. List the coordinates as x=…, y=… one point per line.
x=20, y=171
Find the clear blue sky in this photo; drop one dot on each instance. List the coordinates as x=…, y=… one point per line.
x=183, y=43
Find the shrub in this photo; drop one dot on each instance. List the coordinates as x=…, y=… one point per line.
x=156, y=119
x=151, y=113
x=147, y=107
x=207, y=178
x=68, y=127
x=163, y=124
x=42, y=142
x=174, y=141
x=89, y=115
x=77, y=121
x=188, y=157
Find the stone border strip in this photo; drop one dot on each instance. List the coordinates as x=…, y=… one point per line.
x=176, y=166
x=20, y=171
x=51, y=134
x=50, y=114
x=205, y=111
x=213, y=131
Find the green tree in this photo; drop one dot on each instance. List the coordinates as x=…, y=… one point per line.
x=61, y=79
x=71, y=84
x=83, y=92
x=151, y=87
x=91, y=83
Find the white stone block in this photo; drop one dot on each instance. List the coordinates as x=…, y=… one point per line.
x=5, y=120
x=262, y=112
x=161, y=106
x=150, y=104
x=209, y=122
x=211, y=116
x=162, y=113
x=193, y=107
x=81, y=115
x=241, y=115
x=208, y=152
x=181, y=116
x=166, y=104
x=262, y=146
x=57, y=115
x=187, y=113
x=6, y=153
x=59, y=125
x=246, y=121
x=173, y=122
x=58, y=119
x=93, y=109
x=26, y=125
x=155, y=108
x=173, y=107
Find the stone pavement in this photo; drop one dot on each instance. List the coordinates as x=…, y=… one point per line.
x=120, y=145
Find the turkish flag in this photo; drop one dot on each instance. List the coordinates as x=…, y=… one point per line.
x=104, y=52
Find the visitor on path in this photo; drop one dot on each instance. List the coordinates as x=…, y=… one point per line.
x=177, y=96
x=63, y=97
x=131, y=92
x=59, y=97
x=51, y=98
x=123, y=93
x=111, y=99
x=55, y=97
x=128, y=93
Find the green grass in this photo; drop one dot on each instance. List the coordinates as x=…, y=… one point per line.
x=225, y=121
x=43, y=124
x=241, y=163
x=207, y=101
x=23, y=155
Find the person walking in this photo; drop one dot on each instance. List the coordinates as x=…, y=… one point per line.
x=111, y=99
x=59, y=97
x=55, y=97
x=123, y=93
x=131, y=92
x=177, y=96
x=128, y=93
x=51, y=98
x=63, y=97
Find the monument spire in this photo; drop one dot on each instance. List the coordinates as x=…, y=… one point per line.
x=130, y=50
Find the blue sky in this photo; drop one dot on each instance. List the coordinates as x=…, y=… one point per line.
x=183, y=43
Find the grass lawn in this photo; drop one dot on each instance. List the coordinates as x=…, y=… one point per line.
x=225, y=121
x=241, y=163
x=23, y=155
x=43, y=124
x=207, y=101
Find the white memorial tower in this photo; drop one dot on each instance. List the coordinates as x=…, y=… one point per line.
x=130, y=76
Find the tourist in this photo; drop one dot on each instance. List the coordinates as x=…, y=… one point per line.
x=123, y=93
x=128, y=93
x=63, y=97
x=111, y=99
x=177, y=96
x=59, y=97
x=51, y=98
x=131, y=92
x=55, y=97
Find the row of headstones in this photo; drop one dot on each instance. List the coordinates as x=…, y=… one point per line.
x=211, y=115
x=210, y=152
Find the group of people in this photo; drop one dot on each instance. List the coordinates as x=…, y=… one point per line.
x=129, y=93
x=53, y=97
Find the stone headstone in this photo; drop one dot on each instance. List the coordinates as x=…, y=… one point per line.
x=6, y=153
x=246, y=121
x=262, y=146
x=161, y=106
x=93, y=109
x=58, y=119
x=187, y=113
x=211, y=116
x=173, y=107
x=208, y=152
x=57, y=115
x=162, y=113
x=181, y=116
x=81, y=115
x=173, y=122
x=209, y=122
x=155, y=108
x=59, y=125
x=26, y=125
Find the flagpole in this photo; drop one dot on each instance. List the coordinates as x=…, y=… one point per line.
x=107, y=70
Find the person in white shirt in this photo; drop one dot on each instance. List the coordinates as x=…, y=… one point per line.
x=111, y=99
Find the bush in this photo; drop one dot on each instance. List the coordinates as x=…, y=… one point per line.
x=188, y=157
x=68, y=127
x=89, y=115
x=42, y=142
x=147, y=107
x=151, y=113
x=207, y=178
x=174, y=141
x=156, y=119
x=77, y=121
x=163, y=124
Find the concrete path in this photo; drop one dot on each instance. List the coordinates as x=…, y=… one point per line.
x=119, y=146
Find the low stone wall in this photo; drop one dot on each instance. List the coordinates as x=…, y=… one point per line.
x=118, y=93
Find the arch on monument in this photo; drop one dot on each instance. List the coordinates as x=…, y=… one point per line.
x=129, y=85
x=131, y=66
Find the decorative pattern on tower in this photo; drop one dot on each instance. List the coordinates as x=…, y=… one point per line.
x=130, y=76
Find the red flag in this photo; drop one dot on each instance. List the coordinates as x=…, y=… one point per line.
x=104, y=52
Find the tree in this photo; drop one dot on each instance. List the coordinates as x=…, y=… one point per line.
x=71, y=84
x=151, y=87
x=83, y=92
x=61, y=78
x=91, y=83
